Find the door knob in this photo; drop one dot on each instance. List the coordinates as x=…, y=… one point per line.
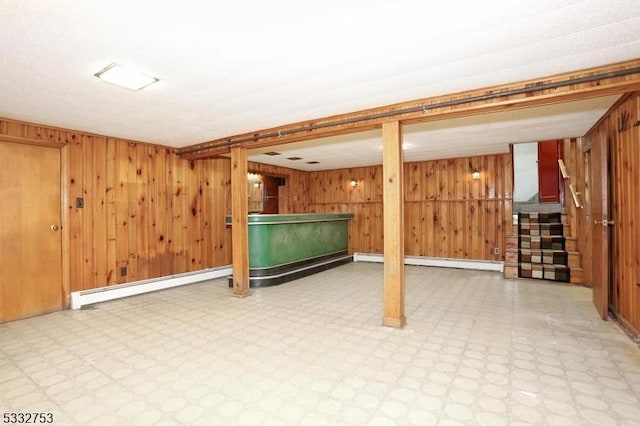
x=604, y=222
x=54, y=227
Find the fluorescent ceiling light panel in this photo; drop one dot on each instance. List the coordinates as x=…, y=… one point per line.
x=124, y=77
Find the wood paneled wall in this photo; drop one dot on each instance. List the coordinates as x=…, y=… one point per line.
x=34, y=134
x=149, y=211
x=578, y=218
x=447, y=214
x=572, y=155
x=625, y=185
x=330, y=191
x=145, y=209
x=624, y=151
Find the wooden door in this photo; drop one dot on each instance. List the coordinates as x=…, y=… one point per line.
x=30, y=250
x=612, y=214
x=599, y=233
x=270, y=195
x=586, y=254
x=548, y=172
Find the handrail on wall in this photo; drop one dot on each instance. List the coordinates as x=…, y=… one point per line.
x=574, y=195
x=563, y=169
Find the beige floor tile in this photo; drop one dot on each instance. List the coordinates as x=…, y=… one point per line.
x=477, y=349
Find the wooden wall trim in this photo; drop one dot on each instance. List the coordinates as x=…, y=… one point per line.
x=31, y=141
x=420, y=111
x=45, y=135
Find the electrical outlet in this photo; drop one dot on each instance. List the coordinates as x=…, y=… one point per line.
x=496, y=250
x=123, y=271
x=79, y=203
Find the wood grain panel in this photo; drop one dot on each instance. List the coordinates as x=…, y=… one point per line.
x=239, y=229
x=142, y=208
x=578, y=218
x=89, y=271
x=176, y=226
x=74, y=188
x=617, y=128
x=393, y=183
x=111, y=176
x=120, y=201
x=132, y=212
x=134, y=203
x=625, y=175
x=447, y=214
x=143, y=195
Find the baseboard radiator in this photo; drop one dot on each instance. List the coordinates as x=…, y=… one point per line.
x=442, y=262
x=78, y=299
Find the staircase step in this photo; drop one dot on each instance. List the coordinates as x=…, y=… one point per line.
x=574, y=259
x=577, y=276
x=547, y=257
x=554, y=242
x=540, y=218
x=511, y=256
x=557, y=273
x=545, y=272
x=570, y=244
x=511, y=270
x=540, y=252
x=542, y=229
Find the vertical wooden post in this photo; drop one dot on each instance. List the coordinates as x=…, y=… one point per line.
x=393, y=225
x=239, y=227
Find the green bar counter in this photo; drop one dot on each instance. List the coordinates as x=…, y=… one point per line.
x=285, y=247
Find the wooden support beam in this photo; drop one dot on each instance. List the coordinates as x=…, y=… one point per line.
x=393, y=225
x=571, y=86
x=240, y=221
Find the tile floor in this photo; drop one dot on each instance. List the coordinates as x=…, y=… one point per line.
x=477, y=349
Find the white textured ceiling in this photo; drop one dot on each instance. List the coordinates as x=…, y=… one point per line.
x=232, y=67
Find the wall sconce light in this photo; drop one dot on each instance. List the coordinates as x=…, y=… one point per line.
x=475, y=174
x=353, y=183
x=255, y=179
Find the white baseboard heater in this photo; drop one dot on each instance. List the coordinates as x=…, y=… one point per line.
x=443, y=262
x=78, y=299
